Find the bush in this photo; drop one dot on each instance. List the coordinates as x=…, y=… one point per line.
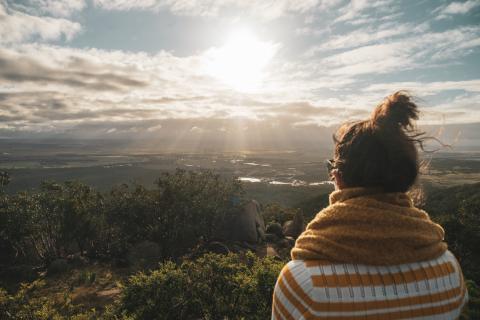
x=193, y=205
x=212, y=287
x=132, y=215
x=61, y=219
x=472, y=310
x=66, y=218
x=26, y=304
x=185, y=206
x=457, y=209
x=277, y=213
x=15, y=227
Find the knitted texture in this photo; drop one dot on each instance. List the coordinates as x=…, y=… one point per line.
x=427, y=290
x=369, y=227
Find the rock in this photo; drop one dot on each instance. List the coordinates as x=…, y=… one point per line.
x=144, y=254
x=293, y=228
x=217, y=247
x=249, y=246
x=276, y=229
x=236, y=247
x=270, y=237
x=283, y=243
x=57, y=266
x=290, y=241
x=271, y=252
x=248, y=225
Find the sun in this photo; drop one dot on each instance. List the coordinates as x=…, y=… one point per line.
x=241, y=62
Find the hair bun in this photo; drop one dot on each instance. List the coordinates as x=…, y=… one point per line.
x=397, y=110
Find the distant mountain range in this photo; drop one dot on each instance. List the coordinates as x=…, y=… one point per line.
x=189, y=138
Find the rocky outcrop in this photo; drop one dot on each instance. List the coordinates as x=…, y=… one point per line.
x=293, y=228
x=276, y=229
x=248, y=225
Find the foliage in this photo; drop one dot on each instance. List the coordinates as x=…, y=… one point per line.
x=192, y=205
x=24, y=305
x=312, y=206
x=212, y=287
x=62, y=219
x=276, y=213
x=457, y=209
x=472, y=310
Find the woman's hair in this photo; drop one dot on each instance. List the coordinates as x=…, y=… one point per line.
x=381, y=151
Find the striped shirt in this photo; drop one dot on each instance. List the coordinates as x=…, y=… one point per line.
x=432, y=289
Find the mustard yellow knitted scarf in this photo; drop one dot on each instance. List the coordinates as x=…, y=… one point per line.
x=366, y=226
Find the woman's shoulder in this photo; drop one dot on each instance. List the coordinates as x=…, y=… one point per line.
x=317, y=287
x=445, y=264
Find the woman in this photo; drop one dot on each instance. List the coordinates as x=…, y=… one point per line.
x=371, y=254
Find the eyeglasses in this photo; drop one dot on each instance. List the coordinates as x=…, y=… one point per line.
x=330, y=164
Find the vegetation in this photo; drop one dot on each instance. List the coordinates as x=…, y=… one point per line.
x=457, y=209
x=63, y=219
x=214, y=286
x=45, y=231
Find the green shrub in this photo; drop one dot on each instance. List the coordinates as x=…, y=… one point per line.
x=277, y=213
x=132, y=214
x=62, y=219
x=28, y=303
x=472, y=310
x=66, y=218
x=213, y=286
x=15, y=227
x=457, y=209
x=193, y=205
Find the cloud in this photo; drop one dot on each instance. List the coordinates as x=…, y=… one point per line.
x=455, y=8
x=18, y=67
x=420, y=51
x=56, y=8
x=426, y=88
x=354, y=11
x=16, y=26
x=57, y=90
x=269, y=9
x=368, y=35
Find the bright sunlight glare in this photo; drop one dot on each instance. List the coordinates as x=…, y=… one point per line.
x=240, y=63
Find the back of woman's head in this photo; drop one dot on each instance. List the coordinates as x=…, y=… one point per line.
x=381, y=151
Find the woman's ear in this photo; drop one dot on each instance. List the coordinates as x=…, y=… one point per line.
x=337, y=176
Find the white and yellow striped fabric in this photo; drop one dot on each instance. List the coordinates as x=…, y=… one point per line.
x=432, y=289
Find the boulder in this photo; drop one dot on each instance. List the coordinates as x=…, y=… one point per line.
x=248, y=225
x=276, y=229
x=290, y=241
x=287, y=242
x=271, y=237
x=271, y=252
x=293, y=228
x=217, y=247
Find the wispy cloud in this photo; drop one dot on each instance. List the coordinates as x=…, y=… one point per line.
x=16, y=26
x=358, y=11
x=426, y=88
x=266, y=9
x=56, y=8
x=349, y=56
x=422, y=51
x=455, y=8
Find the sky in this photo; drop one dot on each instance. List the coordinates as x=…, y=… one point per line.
x=177, y=69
